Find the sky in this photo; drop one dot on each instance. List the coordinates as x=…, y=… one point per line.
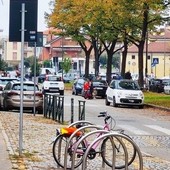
x=43, y=6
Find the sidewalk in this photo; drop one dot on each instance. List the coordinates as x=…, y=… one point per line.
x=38, y=134
x=5, y=162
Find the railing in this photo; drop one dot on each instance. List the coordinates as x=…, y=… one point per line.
x=54, y=107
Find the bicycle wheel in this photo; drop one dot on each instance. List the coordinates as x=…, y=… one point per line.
x=59, y=151
x=106, y=152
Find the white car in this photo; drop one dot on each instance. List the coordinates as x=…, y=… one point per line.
x=53, y=84
x=124, y=92
x=167, y=88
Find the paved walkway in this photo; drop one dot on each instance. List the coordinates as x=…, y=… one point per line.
x=5, y=162
x=38, y=134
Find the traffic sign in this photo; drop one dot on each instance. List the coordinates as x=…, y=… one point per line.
x=155, y=61
x=153, y=65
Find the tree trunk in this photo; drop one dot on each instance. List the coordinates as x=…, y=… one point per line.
x=124, y=56
x=140, y=63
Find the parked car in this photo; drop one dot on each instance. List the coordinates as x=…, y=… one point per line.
x=167, y=88
x=5, y=80
x=157, y=85
x=99, y=88
x=53, y=84
x=11, y=96
x=78, y=86
x=70, y=77
x=124, y=92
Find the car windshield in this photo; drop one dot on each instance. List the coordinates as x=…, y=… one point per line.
x=99, y=83
x=128, y=85
x=26, y=87
x=4, y=82
x=54, y=78
x=80, y=81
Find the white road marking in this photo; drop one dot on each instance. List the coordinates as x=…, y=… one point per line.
x=158, y=128
x=134, y=130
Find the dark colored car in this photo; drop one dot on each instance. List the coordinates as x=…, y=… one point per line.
x=157, y=85
x=41, y=78
x=78, y=86
x=99, y=88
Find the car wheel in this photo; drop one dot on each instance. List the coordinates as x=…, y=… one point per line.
x=107, y=102
x=141, y=106
x=62, y=92
x=114, y=102
x=94, y=93
x=40, y=111
x=5, y=106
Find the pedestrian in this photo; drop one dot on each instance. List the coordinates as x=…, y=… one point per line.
x=128, y=75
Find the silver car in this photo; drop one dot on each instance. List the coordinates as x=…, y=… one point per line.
x=11, y=96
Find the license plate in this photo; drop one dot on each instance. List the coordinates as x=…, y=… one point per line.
x=99, y=88
x=132, y=101
x=28, y=97
x=53, y=89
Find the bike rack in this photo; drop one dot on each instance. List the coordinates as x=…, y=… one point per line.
x=70, y=138
x=80, y=122
x=116, y=135
x=83, y=138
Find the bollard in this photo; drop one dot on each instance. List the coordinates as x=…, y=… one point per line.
x=72, y=110
x=81, y=110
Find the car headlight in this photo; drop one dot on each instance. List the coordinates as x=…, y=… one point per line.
x=141, y=95
x=119, y=94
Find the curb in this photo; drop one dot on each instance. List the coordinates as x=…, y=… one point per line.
x=157, y=107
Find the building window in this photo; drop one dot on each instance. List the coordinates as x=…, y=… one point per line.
x=14, y=45
x=133, y=56
x=14, y=57
x=25, y=55
x=149, y=57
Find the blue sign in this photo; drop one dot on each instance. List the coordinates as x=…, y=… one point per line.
x=153, y=65
x=155, y=61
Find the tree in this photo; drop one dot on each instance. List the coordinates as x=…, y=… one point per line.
x=66, y=65
x=37, y=68
x=3, y=64
x=47, y=63
x=108, y=22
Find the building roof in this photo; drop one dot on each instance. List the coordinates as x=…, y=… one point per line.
x=158, y=43
x=153, y=47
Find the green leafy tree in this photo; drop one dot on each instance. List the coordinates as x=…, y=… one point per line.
x=66, y=65
x=47, y=63
x=37, y=68
x=3, y=64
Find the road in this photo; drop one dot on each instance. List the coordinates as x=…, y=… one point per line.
x=150, y=128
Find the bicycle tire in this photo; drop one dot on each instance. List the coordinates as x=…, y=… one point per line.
x=59, y=152
x=120, y=157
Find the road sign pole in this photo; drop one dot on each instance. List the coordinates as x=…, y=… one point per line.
x=34, y=74
x=22, y=78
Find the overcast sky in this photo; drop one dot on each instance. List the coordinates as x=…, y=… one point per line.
x=4, y=15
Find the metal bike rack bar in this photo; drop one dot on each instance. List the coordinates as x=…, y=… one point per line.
x=116, y=135
x=70, y=138
x=80, y=122
x=113, y=157
x=83, y=138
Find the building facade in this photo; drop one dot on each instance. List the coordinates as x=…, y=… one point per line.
x=158, y=56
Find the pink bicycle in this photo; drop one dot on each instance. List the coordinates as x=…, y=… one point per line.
x=102, y=148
